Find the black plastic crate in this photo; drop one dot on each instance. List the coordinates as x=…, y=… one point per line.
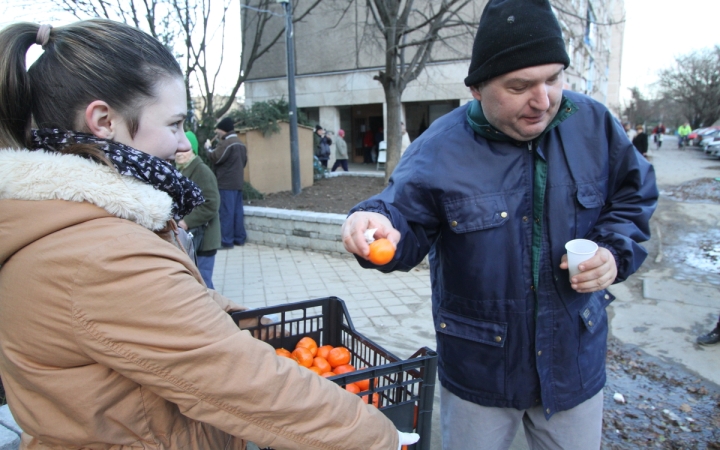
x=403, y=389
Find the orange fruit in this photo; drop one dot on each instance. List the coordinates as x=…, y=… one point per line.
x=308, y=343
x=381, y=252
x=375, y=400
x=345, y=368
x=338, y=356
x=328, y=374
x=365, y=384
x=315, y=369
x=303, y=356
x=322, y=364
x=324, y=350
x=283, y=352
x=352, y=387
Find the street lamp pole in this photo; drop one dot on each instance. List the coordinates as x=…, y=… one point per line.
x=290, y=46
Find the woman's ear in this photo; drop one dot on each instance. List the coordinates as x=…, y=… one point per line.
x=101, y=120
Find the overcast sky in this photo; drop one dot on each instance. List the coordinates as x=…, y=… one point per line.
x=656, y=31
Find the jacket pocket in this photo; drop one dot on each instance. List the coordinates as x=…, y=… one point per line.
x=593, y=337
x=476, y=213
x=590, y=202
x=472, y=350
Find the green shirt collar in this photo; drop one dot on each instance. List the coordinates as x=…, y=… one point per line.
x=477, y=121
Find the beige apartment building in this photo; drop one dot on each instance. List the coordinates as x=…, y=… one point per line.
x=338, y=52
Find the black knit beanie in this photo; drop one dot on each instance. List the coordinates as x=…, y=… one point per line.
x=513, y=35
x=227, y=125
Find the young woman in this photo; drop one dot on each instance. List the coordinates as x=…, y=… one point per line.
x=108, y=337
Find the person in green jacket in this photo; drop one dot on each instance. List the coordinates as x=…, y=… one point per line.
x=204, y=221
x=683, y=133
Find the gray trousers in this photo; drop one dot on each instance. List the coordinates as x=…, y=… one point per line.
x=466, y=425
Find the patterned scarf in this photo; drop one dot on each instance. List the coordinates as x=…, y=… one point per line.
x=130, y=162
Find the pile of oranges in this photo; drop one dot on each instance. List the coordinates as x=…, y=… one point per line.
x=327, y=361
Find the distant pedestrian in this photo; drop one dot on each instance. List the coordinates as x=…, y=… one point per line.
x=322, y=145
x=712, y=337
x=341, y=153
x=229, y=159
x=640, y=141
x=204, y=221
x=631, y=133
x=658, y=133
x=683, y=133
x=405, y=143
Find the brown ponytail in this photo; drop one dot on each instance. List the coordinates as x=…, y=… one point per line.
x=15, y=95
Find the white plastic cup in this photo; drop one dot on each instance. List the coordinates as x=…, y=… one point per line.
x=579, y=250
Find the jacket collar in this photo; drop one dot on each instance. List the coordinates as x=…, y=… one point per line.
x=40, y=175
x=477, y=121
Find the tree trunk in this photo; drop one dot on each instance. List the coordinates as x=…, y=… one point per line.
x=393, y=132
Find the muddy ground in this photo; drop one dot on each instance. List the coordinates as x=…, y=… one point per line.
x=329, y=195
x=665, y=406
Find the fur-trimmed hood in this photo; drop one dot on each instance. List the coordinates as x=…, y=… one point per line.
x=28, y=177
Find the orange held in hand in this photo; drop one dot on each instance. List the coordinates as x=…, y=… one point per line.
x=381, y=252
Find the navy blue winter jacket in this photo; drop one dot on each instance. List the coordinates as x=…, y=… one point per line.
x=468, y=202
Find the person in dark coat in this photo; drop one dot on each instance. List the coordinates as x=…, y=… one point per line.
x=229, y=159
x=492, y=192
x=640, y=141
x=322, y=144
x=204, y=221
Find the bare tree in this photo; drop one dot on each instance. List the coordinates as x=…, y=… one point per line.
x=694, y=84
x=410, y=30
x=638, y=109
x=189, y=27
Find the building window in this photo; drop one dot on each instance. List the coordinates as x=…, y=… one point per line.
x=590, y=28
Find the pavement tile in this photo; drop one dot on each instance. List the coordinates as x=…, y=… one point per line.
x=400, y=310
x=375, y=311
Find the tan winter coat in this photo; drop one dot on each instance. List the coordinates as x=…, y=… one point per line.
x=110, y=340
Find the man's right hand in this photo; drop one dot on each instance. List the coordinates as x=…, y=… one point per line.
x=353, y=231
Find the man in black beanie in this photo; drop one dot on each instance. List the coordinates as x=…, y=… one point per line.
x=492, y=192
x=229, y=159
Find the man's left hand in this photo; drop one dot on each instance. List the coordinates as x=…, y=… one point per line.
x=596, y=274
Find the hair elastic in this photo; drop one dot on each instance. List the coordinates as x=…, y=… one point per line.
x=43, y=35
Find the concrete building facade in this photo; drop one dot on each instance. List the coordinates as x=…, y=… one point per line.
x=339, y=51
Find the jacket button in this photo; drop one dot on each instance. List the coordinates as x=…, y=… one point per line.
x=547, y=411
x=607, y=297
x=498, y=339
x=525, y=218
x=532, y=287
x=443, y=325
x=589, y=322
x=453, y=224
x=540, y=353
x=503, y=214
